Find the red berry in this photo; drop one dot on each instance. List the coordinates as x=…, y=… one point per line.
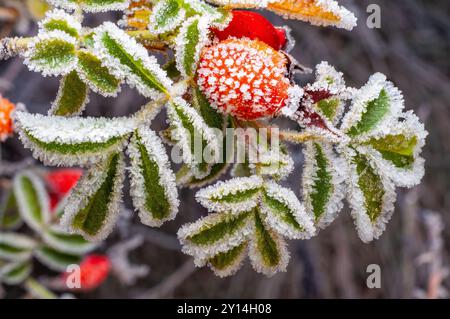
x=282, y=37
x=94, y=269
x=6, y=127
x=61, y=181
x=244, y=78
x=248, y=24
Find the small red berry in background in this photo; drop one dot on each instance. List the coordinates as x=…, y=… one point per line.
x=94, y=269
x=251, y=25
x=6, y=127
x=244, y=78
x=60, y=182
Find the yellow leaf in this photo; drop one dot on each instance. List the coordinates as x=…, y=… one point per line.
x=317, y=12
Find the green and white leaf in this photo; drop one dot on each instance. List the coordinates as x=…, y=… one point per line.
x=15, y=273
x=332, y=81
x=60, y=20
x=374, y=108
x=283, y=212
x=195, y=138
x=153, y=187
x=214, y=234
x=51, y=53
x=72, y=141
x=227, y=263
x=93, y=205
x=191, y=39
x=73, y=95
x=166, y=16
x=235, y=195
x=219, y=17
x=32, y=200
x=9, y=212
x=397, y=150
x=55, y=237
x=322, y=183
x=15, y=247
x=54, y=259
x=97, y=76
x=370, y=194
x=91, y=5
x=268, y=252
x=273, y=162
x=127, y=59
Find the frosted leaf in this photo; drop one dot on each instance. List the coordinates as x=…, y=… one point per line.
x=54, y=259
x=72, y=97
x=52, y=53
x=153, y=187
x=322, y=183
x=57, y=238
x=274, y=163
x=373, y=108
x=242, y=3
x=214, y=234
x=15, y=272
x=192, y=134
x=127, y=59
x=295, y=96
x=32, y=200
x=94, y=74
x=191, y=39
x=93, y=205
x=371, y=195
x=91, y=5
x=166, y=16
x=396, y=151
x=268, y=252
x=15, y=247
x=229, y=262
x=235, y=195
x=64, y=141
x=283, y=212
x=316, y=12
x=219, y=17
x=9, y=216
x=60, y=20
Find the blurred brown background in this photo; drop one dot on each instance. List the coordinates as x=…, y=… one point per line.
x=412, y=49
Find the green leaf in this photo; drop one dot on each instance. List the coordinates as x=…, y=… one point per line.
x=97, y=76
x=72, y=96
x=398, y=149
x=72, y=141
x=60, y=24
x=267, y=252
x=91, y=5
x=227, y=225
x=15, y=247
x=228, y=262
x=329, y=107
x=235, y=195
x=375, y=112
x=193, y=136
x=15, y=273
x=210, y=115
x=171, y=69
x=55, y=259
x=166, y=16
x=153, y=185
x=191, y=39
x=282, y=210
x=371, y=186
x=51, y=53
x=9, y=213
x=93, y=204
x=68, y=243
x=125, y=58
x=32, y=200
